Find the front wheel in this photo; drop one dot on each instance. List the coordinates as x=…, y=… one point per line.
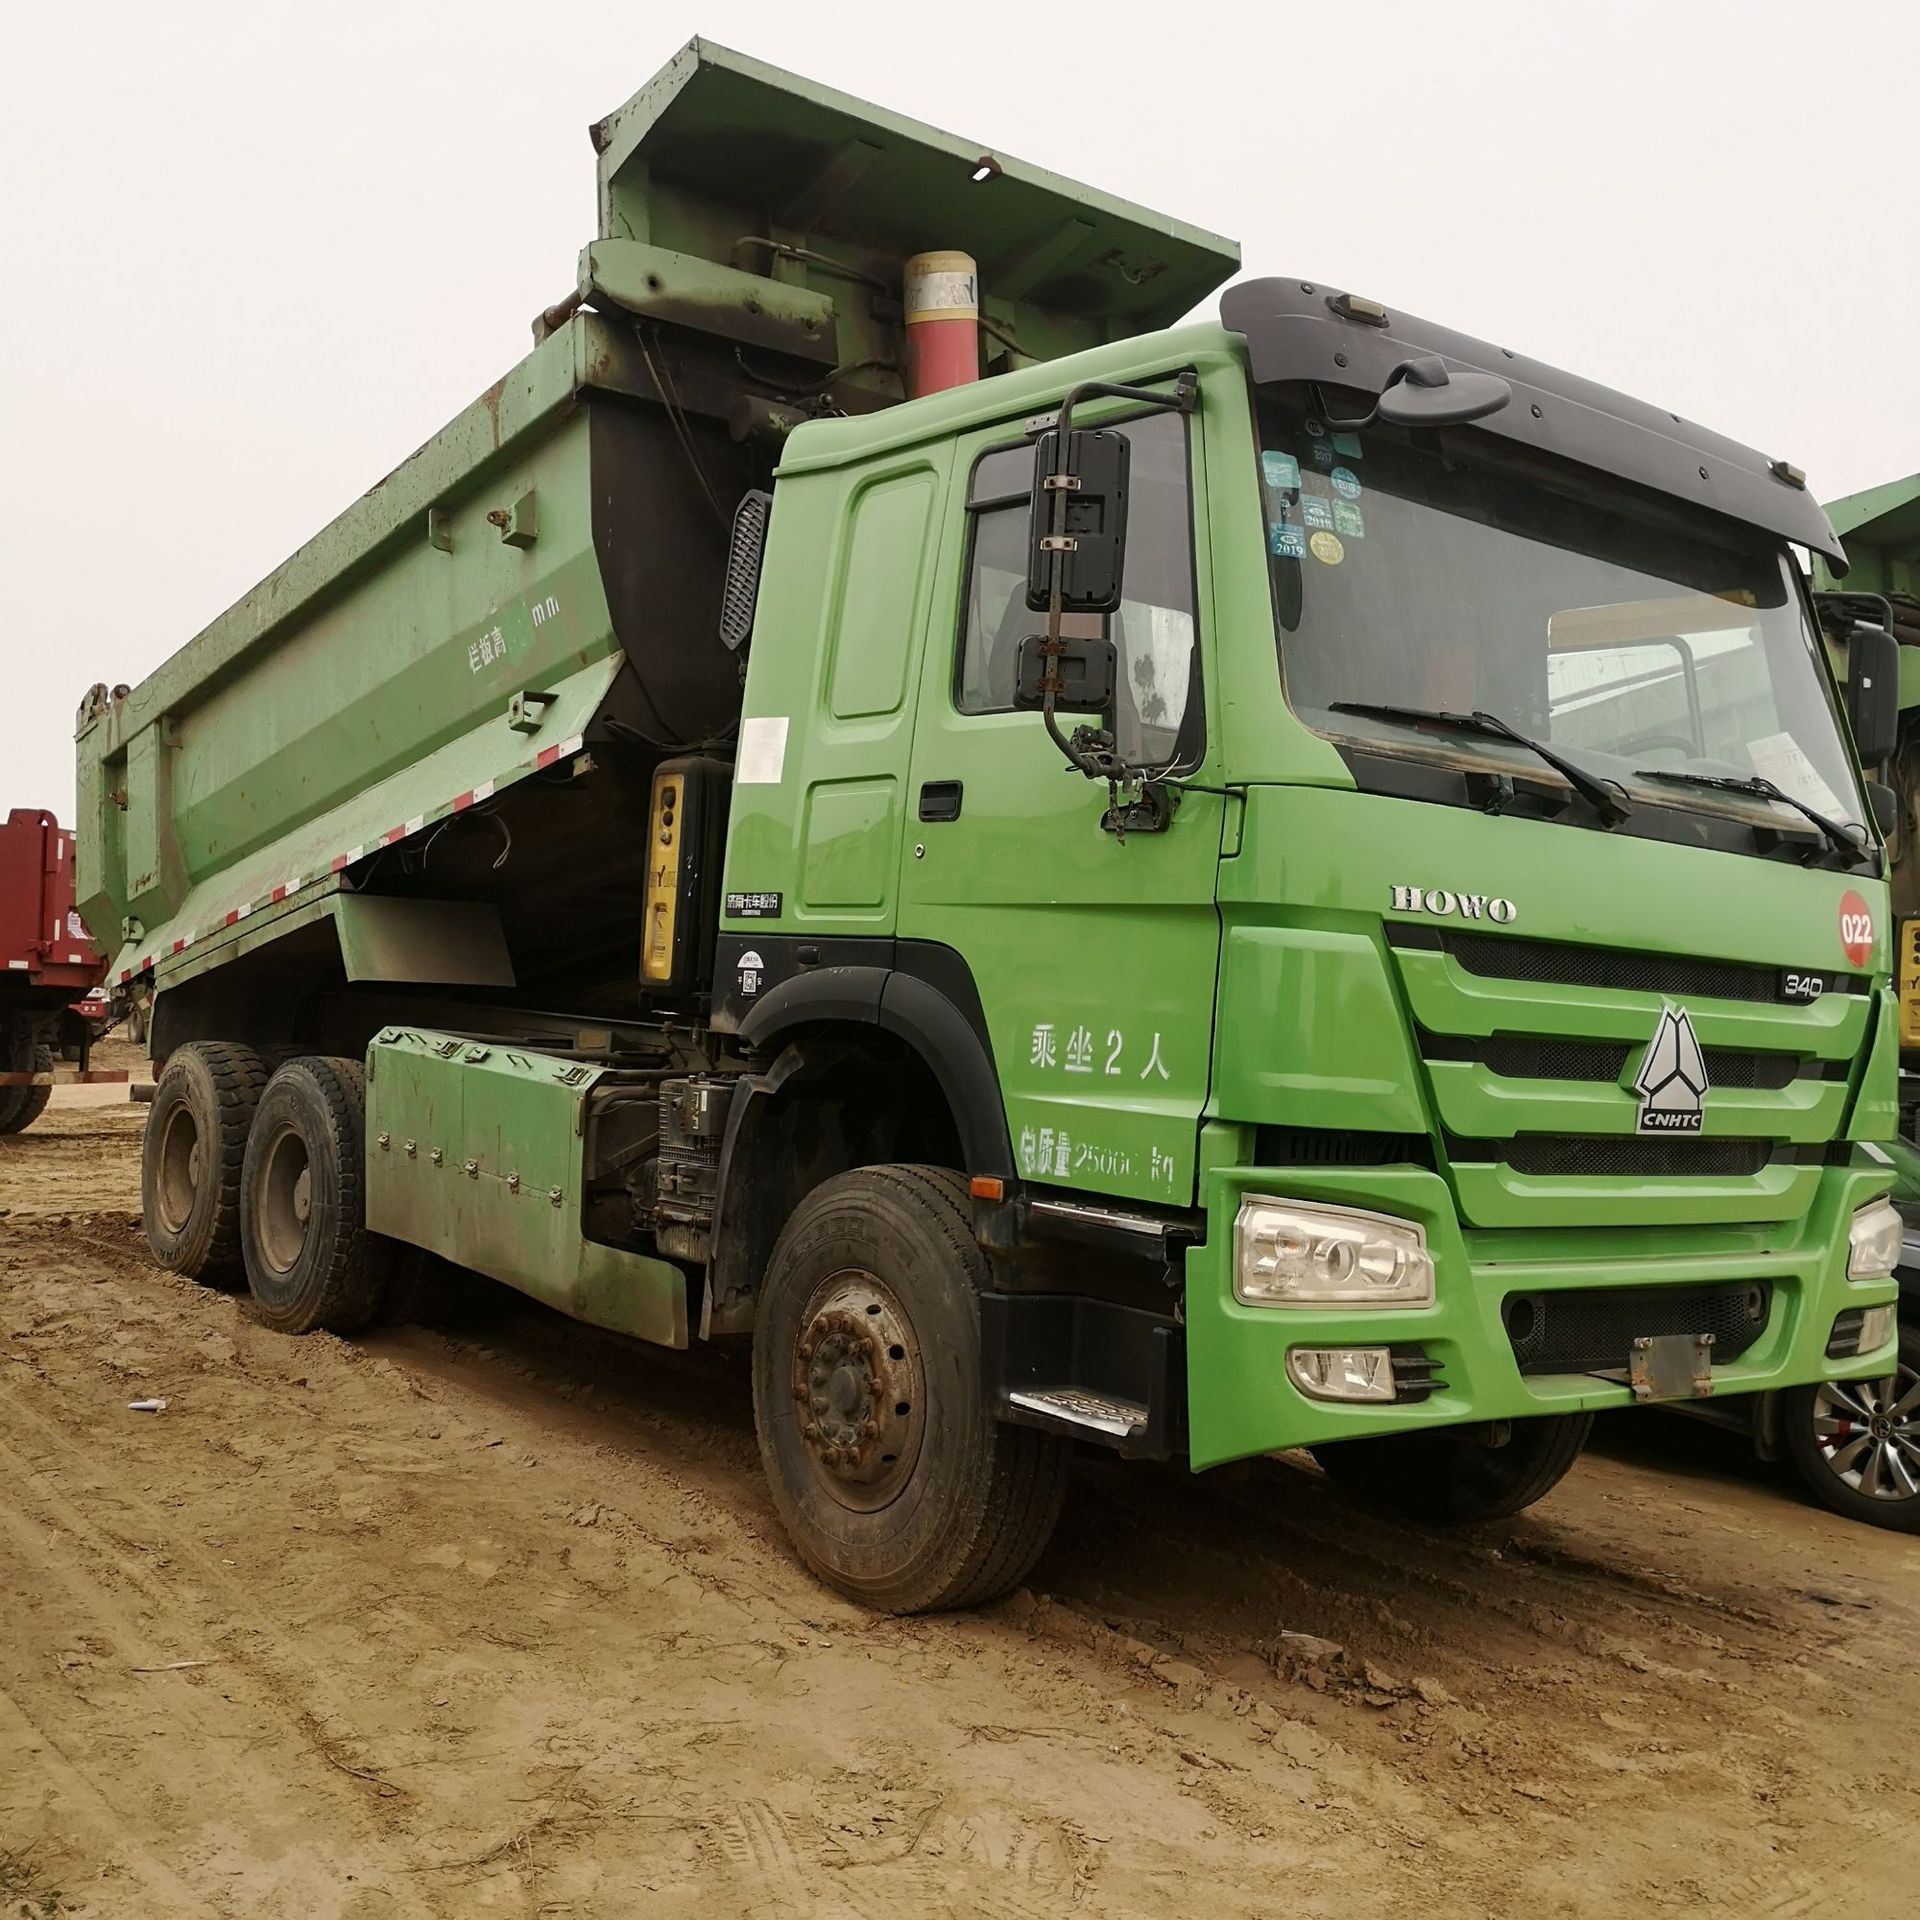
x=891, y=1474
x=1856, y=1443
x=1450, y=1476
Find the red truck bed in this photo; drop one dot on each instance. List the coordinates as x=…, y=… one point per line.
x=44, y=945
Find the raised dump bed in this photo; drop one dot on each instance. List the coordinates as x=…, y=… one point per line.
x=544, y=577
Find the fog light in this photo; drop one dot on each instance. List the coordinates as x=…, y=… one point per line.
x=1873, y=1242
x=1342, y=1373
x=1286, y=1254
x=1877, y=1326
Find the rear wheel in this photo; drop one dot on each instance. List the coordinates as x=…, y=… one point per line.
x=1449, y=1476
x=311, y=1263
x=190, y=1158
x=893, y=1478
x=1857, y=1442
x=20, y=1107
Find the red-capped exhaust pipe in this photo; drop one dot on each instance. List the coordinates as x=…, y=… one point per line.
x=943, y=322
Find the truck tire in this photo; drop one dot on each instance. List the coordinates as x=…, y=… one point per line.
x=1857, y=1444
x=20, y=1107
x=190, y=1158
x=893, y=1478
x=311, y=1263
x=1450, y=1476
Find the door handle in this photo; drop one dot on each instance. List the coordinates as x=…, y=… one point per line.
x=940, y=800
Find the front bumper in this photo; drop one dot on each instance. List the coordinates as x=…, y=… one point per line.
x=1240, y=1401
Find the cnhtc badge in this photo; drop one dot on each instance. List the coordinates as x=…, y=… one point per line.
x=1672, y=1083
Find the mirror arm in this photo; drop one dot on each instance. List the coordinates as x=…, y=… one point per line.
x=1185, y=393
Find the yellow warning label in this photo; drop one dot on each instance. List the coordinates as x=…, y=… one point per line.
x=1909, y=984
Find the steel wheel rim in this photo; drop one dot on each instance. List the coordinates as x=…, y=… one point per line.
x=1869, y=1433
x=284, y=1200
x=859, y=1390
x=177, y=1174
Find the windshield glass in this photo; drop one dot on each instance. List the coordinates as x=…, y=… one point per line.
x=1630, y=634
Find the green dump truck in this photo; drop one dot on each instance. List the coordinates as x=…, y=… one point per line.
x=1293, y=880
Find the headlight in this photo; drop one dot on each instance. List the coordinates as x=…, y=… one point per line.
x=1873, y=1242
x=1291, y=1255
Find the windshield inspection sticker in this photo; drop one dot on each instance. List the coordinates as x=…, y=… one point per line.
x=1347, y=520
x=1281, y=471
x=1286, y=542
x=1322, y=454
x=1317, y=512
x=1346, y=483
x=1347, y=445
x=1327, y=547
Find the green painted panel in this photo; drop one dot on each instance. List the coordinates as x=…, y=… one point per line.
x=852, y=833
x=878, y=591
x=1495, y=1196
x=1339, y=1055
x=1239, y=1399
x=1445, y=998
x=1471, y=1100
x=475, y=1152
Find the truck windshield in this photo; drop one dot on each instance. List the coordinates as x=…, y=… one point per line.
x=1634, y=636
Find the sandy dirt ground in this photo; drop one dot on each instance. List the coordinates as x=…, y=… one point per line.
x=497, y=1620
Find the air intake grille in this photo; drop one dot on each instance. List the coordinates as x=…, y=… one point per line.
x=1605, y=1061
x=1552, y=962
x=1592, y=1329
x=1625, y=1156
x=744, y=553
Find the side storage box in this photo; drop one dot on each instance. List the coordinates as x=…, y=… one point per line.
x=475, y=1152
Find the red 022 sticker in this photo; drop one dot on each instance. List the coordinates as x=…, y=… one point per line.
x=1856, y=928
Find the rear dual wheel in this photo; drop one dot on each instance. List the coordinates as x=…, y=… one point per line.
x=196, y=1139
x=20, y=1107
x=310, y=1260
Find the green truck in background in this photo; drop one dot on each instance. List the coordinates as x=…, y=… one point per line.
x=1157, y=898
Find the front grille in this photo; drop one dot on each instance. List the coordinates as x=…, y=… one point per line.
x=1627, y=1156
x=1557, y=963
x=1605, y=1061
x=1592, y=1329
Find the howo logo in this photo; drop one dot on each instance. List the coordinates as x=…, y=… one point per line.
x=1672, y=1082
x=1443, y=900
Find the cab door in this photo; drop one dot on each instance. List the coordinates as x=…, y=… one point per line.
x=1094, y=957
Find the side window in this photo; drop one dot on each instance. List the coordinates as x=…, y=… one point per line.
x=1154, y=628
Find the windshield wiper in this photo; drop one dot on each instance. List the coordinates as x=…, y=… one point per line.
x=1606, y=798
x=1841, y=839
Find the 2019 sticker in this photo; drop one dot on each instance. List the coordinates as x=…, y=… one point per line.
x=1287, y=542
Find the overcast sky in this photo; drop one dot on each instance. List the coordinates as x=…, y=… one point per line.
x=251, y=254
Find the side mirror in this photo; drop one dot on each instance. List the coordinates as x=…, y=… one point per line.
x=746, y=548
x=1085, y=555
x=1428, y=393
x=1873, y=693
x=1886, y=808
x=1087, y=673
